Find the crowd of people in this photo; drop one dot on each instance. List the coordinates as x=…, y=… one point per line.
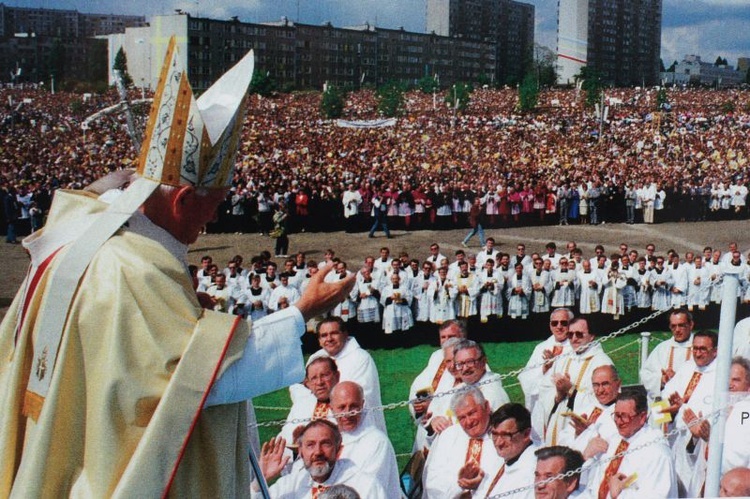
x=489, y=290
x=579, y=432
x=478, y=442
x=188, y=371
x=546, y=167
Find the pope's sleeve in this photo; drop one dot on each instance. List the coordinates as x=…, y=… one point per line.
x=272, y=359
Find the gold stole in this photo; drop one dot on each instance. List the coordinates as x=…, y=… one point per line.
x=671, y=356
x=499, y=475
x=474, y=450
x=594, y=415
x=614, y=465
x=321, y=410
x=692, y=384
x=438, y=375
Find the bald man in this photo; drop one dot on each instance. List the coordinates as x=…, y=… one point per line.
x=363, y=443
x=735, y=483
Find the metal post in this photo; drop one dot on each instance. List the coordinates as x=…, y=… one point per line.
x=721, y=386
x=645, y=338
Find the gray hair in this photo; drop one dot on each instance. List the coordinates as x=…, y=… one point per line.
x=461, y=397
x=339, y=491
x=465, y=344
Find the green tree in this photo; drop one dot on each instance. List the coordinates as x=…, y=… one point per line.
x=545, y=61
x=528, y=93
x=459, y=95
x=672, y=68
x=591, y=85
x=662, y=99
x=728, y=106
x=56, y=61
x=390, y=98
x=428, y=84
x=121, y=64
x=263, y=84
x=332, y=102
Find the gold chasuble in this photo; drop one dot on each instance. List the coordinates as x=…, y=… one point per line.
x=106, y=356
x=137, y=358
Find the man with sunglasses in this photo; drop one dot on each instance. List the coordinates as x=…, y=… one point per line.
x=646, y=471
x=570, y=382
x=543, y=357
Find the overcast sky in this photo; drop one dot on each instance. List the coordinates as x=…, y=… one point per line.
x=709, y=28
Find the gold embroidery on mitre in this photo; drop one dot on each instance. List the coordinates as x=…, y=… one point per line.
x=177, y=149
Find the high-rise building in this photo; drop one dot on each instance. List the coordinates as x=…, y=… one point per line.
x=43, y=44
x=621, y=39
x=506, y=23
x=302, y=56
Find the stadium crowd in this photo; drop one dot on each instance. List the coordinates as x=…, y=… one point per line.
x=509, y=170
x=550, y=166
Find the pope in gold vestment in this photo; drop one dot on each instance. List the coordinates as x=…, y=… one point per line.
x=136, y=338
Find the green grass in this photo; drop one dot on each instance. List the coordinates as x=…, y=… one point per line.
x=399, y=367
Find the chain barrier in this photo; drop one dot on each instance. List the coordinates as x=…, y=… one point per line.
x=493, y=379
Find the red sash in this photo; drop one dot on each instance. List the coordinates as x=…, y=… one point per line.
x=614, y=465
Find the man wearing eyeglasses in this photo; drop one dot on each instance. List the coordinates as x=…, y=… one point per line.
x=570, y=380
x=462, y=456
x=321, y=375
x=471, y=364
x=354, y=363
x=543, y=357
x=646, y=471
x=594, y=425
x=670, y=355
x=510, y=430
x=690, y=395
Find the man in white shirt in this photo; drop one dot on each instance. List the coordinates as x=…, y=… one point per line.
x=364, y=445
x=646, y=470
x=284, y=292
x=471, y=363
x=690, y=395
x=467, y=443
x=435, y=256
x=354, y=363
x=554, y=461
x=489, y=252
x=571, y=377
x=510, y=430
x=669, y=355
x=320, y=447
x=314, y=401
x=543, y=357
